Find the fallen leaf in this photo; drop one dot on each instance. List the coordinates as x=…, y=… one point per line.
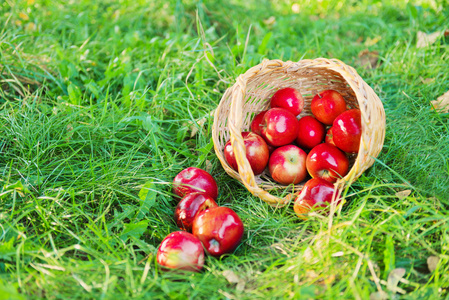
x=198, y=124
x=394, y=277
x=270, y=21
x=24, y=16
x=403, y=194
x=372, y=41
x=208, y=166
x=379, y=296
x=338, y=254
x=231, y=277
x=424, y=40
x=432, y=262
x=369, y=59
x=441, y=105
x=426, y=80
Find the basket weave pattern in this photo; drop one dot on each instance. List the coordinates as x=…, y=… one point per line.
x=251, y=93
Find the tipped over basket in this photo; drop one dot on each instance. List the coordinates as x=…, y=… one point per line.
x=251, y=94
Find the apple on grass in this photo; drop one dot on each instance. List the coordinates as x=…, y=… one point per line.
x=287, y=165
x=289, y=99
x=189, y=207
x=316, y=195
x=311, y=132
x=328, y=162
x=219, y=229
x=182, y=251
x=192, y=180
x=257, y=152
x=347, y=130
x=279, y=127
x=327, y=105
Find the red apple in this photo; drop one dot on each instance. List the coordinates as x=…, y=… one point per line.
x=311, y=132
x=219, y=229
x=181, y=250
x=347, y=130
x=257, y=152
x=317, y=193
x=279, y=127
x=288, y=98
x=287, y=165
x=328, y=162
x=327, y=105
x=192, y=180
x=329, y=137
x=189, y=207
x=256, y=122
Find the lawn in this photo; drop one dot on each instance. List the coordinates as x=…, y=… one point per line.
x=100, y=103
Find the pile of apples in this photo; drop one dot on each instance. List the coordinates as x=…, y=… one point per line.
x=291, y=148
x=295, y=148
x=204, y=225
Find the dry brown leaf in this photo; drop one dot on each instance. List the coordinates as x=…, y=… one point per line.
x=394, y=277
x=403, y=194
x=432, y=262
x=372, y=41
x=426, y=80
x=379, y=296
x=424, y=40
x=208, y=166
x=231, y=277
x=270, y=21
x=199, y=124
x=441, y=105
x=369, y=59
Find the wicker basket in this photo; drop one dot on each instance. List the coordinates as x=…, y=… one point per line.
x=251, y=93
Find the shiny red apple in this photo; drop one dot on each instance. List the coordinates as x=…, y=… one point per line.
x=256, y=123
x=219, y=229
x=287, y=165
x=311, y=132
x=347, y=130
x=316, y=195
x=189, y=207
x=328, y=162
x=182, y=251
x=257, y=152
x=327, y=105
x=279, y=127
x=289, y=99
x=192, y=180
x=329, y=137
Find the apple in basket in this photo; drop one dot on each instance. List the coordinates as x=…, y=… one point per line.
x=257, y=152
x=182, y=251
x=287, y=165
x=189, y=207
x=219, y=229
x=347, y=130
x=257, y=122
x=328, y=162
x=192, y=180
x=327, y=105
x=329, y=137
x=279, y=127
x=316, y=195
x=311, y=132
x=289, y=99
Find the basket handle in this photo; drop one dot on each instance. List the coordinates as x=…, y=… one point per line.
x=234, y=125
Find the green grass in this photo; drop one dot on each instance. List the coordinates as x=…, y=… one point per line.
x=95, y=103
